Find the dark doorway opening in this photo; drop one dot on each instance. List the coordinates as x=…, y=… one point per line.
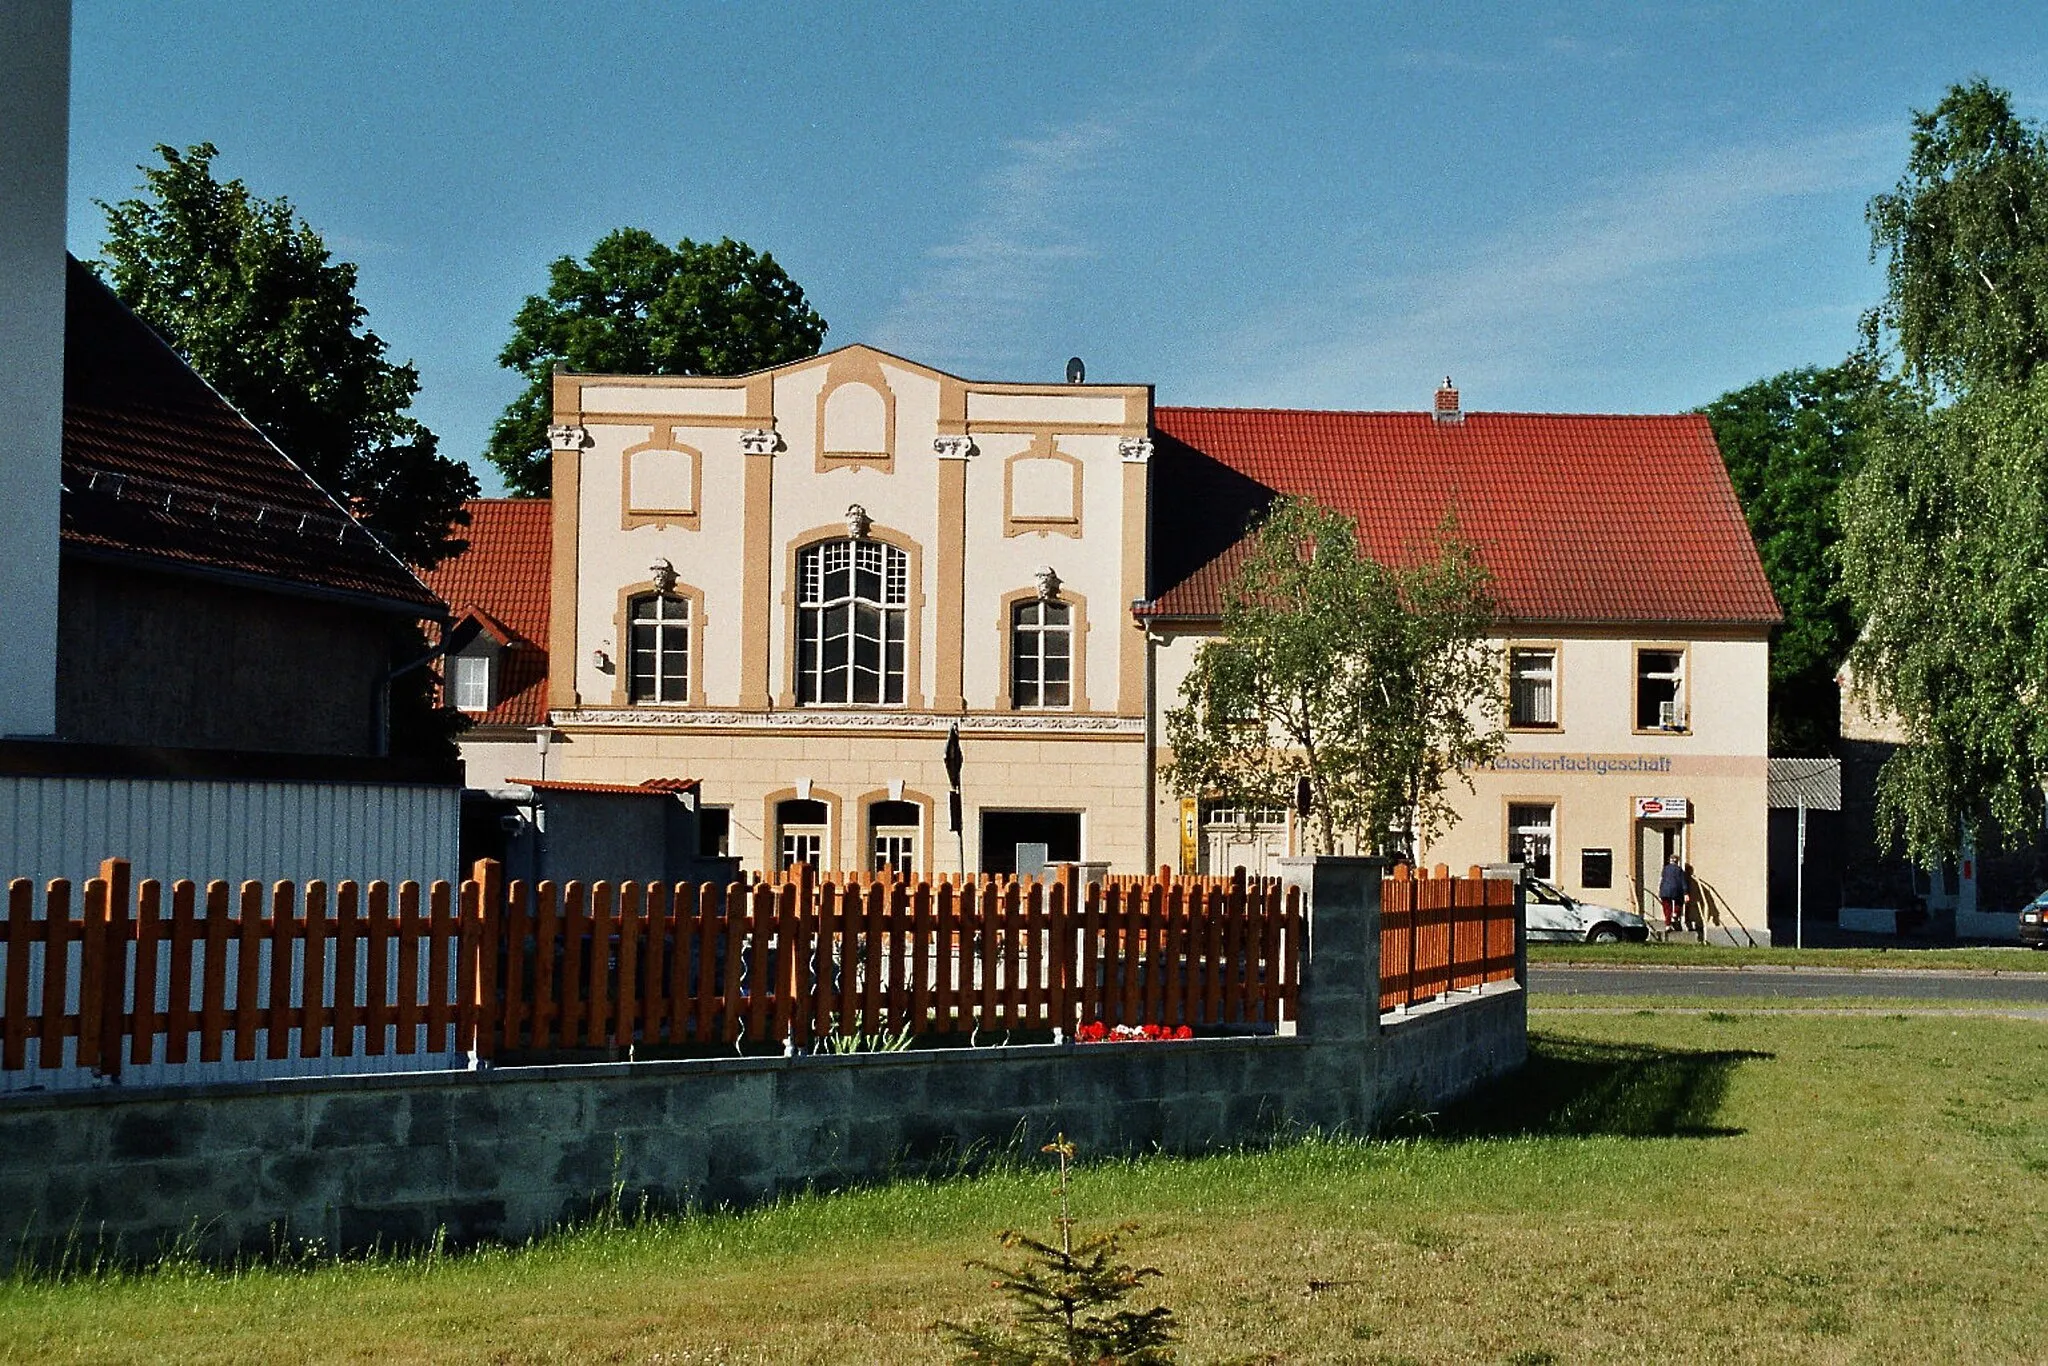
x=1003, y=831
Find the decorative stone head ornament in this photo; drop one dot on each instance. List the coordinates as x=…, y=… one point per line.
x=1048, y=583
x=663, y=575
x=857, y=522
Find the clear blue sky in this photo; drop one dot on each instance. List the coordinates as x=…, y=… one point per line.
x=1619, y=208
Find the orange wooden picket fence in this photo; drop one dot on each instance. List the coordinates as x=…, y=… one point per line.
x=1440, y=933
x=136, y=973
x=205, y=973
x=220, y=971
x=804, y=960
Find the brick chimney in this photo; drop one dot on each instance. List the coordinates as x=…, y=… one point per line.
x=1447, y=409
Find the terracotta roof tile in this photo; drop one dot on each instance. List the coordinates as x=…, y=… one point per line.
x=1582, y=519
x=503, y=578
x=653, y=787
x=157, y=464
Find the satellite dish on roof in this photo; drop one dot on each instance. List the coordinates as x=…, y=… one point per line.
x=1077, y=373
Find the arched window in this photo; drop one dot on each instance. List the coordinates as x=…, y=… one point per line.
x=802, y=828
x=660, y=663
x=1041, y=654
x=892, y=836
x=852, y=611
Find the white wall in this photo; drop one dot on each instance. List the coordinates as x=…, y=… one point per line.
x=35, y=93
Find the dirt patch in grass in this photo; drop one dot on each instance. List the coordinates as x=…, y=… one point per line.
x=1654, y=1187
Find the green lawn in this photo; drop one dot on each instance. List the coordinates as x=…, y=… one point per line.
x=1718, y=955
x=1657, y=1186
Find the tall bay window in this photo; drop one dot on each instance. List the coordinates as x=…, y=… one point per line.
x=1532, y=687
x=1041, y=654
x=852, y=617
x=659, y=667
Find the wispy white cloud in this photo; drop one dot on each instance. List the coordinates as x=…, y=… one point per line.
x=1022, y=234
x=1520, y=296
x=1025, y=234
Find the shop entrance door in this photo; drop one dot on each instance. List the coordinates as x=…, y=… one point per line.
x=1656, y=843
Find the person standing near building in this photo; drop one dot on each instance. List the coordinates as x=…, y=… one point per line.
x=1672, y=889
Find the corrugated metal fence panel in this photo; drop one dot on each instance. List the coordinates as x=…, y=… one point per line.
x=173, y=828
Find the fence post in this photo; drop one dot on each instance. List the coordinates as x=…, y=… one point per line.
x=1512, y=872
x=117, y=931
x=490, y=1012
x=1340, y=963
x=1072, y=890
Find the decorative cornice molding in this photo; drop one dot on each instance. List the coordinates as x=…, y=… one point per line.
x=654, y=718
x=954, y=447
x=567, y=436
x=1136, y=450
x=760, y=441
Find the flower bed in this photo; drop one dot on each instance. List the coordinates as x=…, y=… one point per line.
x=1095, y=1031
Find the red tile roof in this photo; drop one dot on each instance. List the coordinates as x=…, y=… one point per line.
x=158, y=465
x=502, y=578
x=1582, y=519
x=653, y=787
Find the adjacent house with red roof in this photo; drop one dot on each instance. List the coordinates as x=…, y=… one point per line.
x=498, y=679
x=1634, y=623
x=791, y=585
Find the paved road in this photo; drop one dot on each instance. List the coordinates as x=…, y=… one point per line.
x=2030, y=988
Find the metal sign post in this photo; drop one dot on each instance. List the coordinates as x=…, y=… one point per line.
x=1799, y=885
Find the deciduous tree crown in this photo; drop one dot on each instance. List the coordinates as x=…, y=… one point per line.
x=1374, y=683
x=640, y=307
x=248, y=293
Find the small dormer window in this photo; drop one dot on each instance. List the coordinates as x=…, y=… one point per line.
x=472, y=679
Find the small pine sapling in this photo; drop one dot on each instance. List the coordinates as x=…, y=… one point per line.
x=1068, y=1301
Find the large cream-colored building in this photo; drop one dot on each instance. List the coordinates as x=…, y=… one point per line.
x=790, y=585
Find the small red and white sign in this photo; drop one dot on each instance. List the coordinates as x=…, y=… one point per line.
x=1663, y=809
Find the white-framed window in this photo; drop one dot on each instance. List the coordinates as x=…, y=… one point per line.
x=1532, y=686
x=1532, y=836
x=659, y=669
x=801, y=827
x=852, y=621
x=472, y=682
x=893, y=830
x=1660, y=690
x=1041, y=654
x=1246, y=817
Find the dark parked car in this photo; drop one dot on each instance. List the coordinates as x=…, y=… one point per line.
x=2034, y=922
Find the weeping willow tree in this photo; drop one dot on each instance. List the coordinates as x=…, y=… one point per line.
x=1374, y=684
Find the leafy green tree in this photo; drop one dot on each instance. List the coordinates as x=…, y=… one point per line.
x=1375, y=683
x=1945, y=528
x=1789, y=442
x=640, y=307
x=1965, y=237
x=1946, y=533
x=248, y=293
